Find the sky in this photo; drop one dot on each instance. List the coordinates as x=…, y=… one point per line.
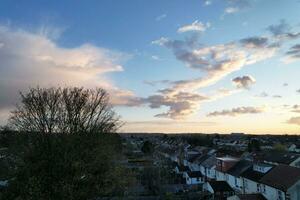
x=173, y=66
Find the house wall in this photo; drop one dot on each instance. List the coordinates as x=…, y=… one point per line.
x=208, y=188
x=194, y=167
x=220, y=176
x=235, y=182
x=296, y=163
x=211, y=173
x=250, y=186
x=271, y=193
x=294, y=191
x=193, y=181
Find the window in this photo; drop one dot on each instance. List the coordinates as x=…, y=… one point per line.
x=246, y=184
x=236, y=182
x=263, y=188
x=280, y=194
x=257, y=187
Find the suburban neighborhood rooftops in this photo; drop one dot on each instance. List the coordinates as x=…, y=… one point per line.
x=202, y=158
x=209, y=162
x=252, y=175
x=228, y=158
x=194, y=174
x=280, y=157
x=220, y=186
x=239, y=167
x=281, y=177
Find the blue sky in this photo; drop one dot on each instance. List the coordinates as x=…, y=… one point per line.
x=137, y=48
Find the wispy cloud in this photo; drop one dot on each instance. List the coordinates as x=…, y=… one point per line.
x=237, y=111
x=278, y=29
x=294, y=120
x=293, y=54
x=161, y=17
x=196, y=26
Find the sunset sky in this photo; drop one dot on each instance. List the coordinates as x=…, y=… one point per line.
x=169, y=65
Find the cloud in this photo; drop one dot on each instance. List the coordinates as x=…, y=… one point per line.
x=180, y=105
x=213, y=63
x=278, y=29
x=296, y=108
x=161, y=17
x=243, y=81
x=196, y=26
x=231, y=10
x=153, y=83
x=216, y=61
x=255, y=42
x=234, y=6
x=285, y=84
x=282, y=32
x=294, y=120
x=154, y=57
x=207, y=2
x=237, y=111
x=30, y=59
x=263, y=94
x=277, y=96
x=298, y=91
x=293, y=54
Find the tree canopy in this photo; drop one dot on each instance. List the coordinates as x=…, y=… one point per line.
x=63, y=145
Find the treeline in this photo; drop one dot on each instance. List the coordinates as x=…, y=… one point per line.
x=61, y=143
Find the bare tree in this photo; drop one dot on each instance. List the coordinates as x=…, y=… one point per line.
x=64, y=110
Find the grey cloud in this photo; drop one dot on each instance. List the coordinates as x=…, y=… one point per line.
x=153, y=83
x=296, y=108
x=285, y=84
x=298, y=91
x=263, y=94
x=180, y=105
x=294, y=120
x=236, y=111
x=255, y=42
x=277, y=96
x=244, y=81
x=278, y=29
x=293, y=53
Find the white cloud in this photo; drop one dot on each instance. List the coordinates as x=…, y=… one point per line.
x=196, y=26
x=161, y=17
x=30, y=59
x=230, y=10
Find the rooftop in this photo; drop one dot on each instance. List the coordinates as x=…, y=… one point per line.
x=281, y=177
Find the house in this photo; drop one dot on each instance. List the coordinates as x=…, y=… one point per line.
x=251, y=177
x=223, y=165
x=286, y=158
x=180, y=169
x=282, y=182
x=233, y=175
x=207, y=168
x=195, y=165
x=193, y=177
x=247, y=197
x=294, y=148
x=218, y=189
